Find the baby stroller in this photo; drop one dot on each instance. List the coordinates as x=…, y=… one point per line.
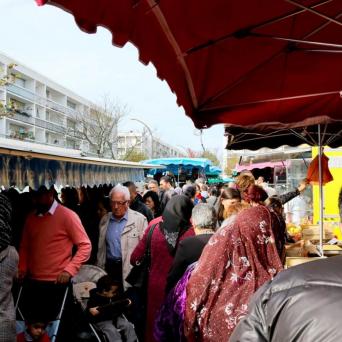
x=83, y=282
x=53, y=325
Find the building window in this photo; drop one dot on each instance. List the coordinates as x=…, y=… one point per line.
x=19, y=81
x=71, y=105
x=71, y=124
x=17, y=105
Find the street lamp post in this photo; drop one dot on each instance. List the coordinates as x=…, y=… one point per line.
x=150, y=131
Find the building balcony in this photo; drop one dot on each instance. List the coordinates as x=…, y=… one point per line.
x=22, y=92
x=21, y=135
x=33, y=97
x=21, y=116
x=50, y=126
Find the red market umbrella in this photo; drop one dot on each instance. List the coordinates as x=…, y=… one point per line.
x=244, y=63
x=258, y=66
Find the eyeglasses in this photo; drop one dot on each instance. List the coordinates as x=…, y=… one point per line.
x=118, y=203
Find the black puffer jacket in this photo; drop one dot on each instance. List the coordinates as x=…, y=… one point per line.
x=301, y=304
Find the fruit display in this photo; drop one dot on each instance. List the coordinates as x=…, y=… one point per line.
x=294, y=231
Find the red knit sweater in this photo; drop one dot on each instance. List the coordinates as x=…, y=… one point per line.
x=46, y=245
x=44, y=338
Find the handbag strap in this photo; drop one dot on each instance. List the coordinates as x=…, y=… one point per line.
x=148, y=243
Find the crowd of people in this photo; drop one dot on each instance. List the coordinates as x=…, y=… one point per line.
x=211, y=249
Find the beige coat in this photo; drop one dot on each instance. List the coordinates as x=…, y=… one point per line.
x=131, y=235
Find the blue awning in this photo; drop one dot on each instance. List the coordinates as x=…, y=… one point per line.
x=177, y=165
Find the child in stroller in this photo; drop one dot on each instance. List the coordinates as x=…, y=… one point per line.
x=106, y=306
x=36, y=320
x=91, y=295
x=35, y=331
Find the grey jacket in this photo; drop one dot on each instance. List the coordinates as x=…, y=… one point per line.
x=131, y=235
x=8, y=269
x=301, y=304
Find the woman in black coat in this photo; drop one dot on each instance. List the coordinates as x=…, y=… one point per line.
x=190, y=249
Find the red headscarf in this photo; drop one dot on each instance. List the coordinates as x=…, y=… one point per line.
x=237, y=260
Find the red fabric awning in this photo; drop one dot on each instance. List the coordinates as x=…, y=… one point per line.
x=244, y=63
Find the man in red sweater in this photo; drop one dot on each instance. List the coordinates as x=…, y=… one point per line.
x=46, y=255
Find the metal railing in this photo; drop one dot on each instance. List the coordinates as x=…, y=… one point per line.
x=41, y=100
x=50, y=126
x=22, y=117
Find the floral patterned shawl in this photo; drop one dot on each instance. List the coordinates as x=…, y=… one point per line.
x=237, y=260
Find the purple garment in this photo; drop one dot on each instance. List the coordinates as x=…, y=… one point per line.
x=168, y=325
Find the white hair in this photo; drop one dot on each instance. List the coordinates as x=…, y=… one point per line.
x=122, y=190
x=204, y=216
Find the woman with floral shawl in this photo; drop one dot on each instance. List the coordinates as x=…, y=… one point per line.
x=237, y=260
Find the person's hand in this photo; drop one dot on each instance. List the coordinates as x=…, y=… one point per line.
x=303, y=184
x=63, y=278
x=94, y=311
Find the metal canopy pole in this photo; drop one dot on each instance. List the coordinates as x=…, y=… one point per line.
x=320, y=178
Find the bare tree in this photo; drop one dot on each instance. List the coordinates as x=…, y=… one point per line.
x=135, y=150
x=99, y=126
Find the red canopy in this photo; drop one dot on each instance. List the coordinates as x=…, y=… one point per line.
x=237, y=62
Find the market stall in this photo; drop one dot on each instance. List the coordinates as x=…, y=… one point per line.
x=24, y=164
x=182, y=169
x=274, y=69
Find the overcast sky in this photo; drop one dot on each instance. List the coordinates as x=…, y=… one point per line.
x=47, y=40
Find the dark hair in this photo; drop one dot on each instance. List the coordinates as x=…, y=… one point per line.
x=256, y=194
x=214, y=191
x=166, y=179
x=274, y=202
x=34, y=315
x=230, y=193
x=128, y=184
x=105, y=203
x=70, y=196
x=154, y=196
x=189, y=190
x=106, y=282
x=85, y=193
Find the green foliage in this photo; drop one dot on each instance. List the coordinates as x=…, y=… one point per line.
x=231, y=162
x=211, y=156
x=5, y=80
x=135, y=156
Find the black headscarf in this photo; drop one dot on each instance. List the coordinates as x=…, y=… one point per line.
x=176, y=219
x=5, y=219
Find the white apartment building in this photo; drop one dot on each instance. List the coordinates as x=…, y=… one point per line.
x=144, y=143
x=41, y=110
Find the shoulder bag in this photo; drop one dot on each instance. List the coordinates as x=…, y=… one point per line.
x=138, y=276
